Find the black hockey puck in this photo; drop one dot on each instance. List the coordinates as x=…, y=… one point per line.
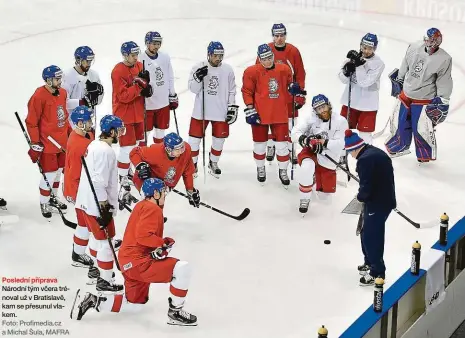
x=327, y=241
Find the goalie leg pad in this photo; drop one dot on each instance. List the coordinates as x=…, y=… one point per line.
x=400, y=136
x=423, y=133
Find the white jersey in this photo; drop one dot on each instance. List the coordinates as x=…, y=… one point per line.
x=333, y=130
x=75, y=85
x=365, y=85
x=161, y=79
x=426, y=76
x=220, y=91
x=101, y=161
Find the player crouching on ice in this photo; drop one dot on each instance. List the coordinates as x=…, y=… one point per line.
x=167, y=161
x=422, y=84
x=144, y=260
x=320, y=132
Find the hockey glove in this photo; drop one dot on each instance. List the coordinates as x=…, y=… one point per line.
x=200, y=73
x=90, y=99
x=194, y=198
x=437, y=110
x=94, y=87
x=396, y=83
x=300, y=100
x=35, y=151
x=316, y=146
x=143, y=170
x=251, y=116
x=144, y=75
x=348, y=69
x=160, y=253
x=142, y=83
x=231, y=116
x=174, y=102
x=294, y=88
x=169, y=242
x=106, y=215
x=304, y=141
x=147, y=91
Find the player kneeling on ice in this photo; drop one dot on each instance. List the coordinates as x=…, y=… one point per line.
x=214, y=86
x=265, y=90
x=423, y=86
x=167, y=161
x=101, y=163
x=144, y=260
x=320, y=132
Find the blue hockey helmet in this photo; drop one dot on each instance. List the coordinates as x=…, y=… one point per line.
x=109, y=122
x=320, y=100
x=433, y=40
x=264, y=51
x=215, y=48
x=172, y=142
x=129, y=47
x=84, y=53
x=152, y=185
x=370, y=40
x=52, y=72
x=278, y=28
x=153, y=37
x=81, y=113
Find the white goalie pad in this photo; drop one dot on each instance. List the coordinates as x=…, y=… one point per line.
x=394, y=121
x=426, y=130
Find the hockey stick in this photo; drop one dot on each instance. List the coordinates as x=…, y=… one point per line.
x=416, y=225
x=145, y=112
x=203, y=132
x=83, y=160
x=70, y=224
x=176, y=121
x=293, y=118
x=242, y=216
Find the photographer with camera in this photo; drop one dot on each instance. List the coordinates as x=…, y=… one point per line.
x=361, y=73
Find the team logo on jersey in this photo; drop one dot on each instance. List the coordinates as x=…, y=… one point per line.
x=273, y=88
x=170, y=174
x=417, y=69
x=213, y=84
x=159, y=76
x=324, y=135
x=61, y=117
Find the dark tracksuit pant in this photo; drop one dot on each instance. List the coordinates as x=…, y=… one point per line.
x=372, y=238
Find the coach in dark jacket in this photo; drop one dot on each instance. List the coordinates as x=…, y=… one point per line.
x=377, y=192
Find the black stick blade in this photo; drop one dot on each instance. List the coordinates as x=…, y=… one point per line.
x=243, y=215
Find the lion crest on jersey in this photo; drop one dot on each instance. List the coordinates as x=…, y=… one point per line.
x=214, y=82
x=170, y=174
x=159, y=76
x=419, y=66
x=273, y=88
x=61, y=117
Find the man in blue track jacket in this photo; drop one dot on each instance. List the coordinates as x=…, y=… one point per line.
x=377, y=192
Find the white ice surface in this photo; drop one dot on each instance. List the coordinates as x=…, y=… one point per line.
x=270, y=275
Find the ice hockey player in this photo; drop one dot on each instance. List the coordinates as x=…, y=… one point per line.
x=286, y=54
x=131, y=85
x=78, y=141
x=265, y=90
x=82, y=83
x=423, y=86
x=101, y=162
x=214, y=85
x=377, y=192
x=144, y=260
x=167, y=161
x=47, y=116
x=362, y=72
x=164, y=97
x=321, y=131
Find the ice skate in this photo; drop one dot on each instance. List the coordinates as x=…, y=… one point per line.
x=270, y=152
x=261, y=175
x=80, y=307
x=124, y=182
x=94, y=273
x=2, y=204
x=177, y=316
x=45, y=210
x=363, y=269
x=284, y=178
x=214, y=170
x=423, y=163
x=125, y=198
x=55, y=203
x=303, y=207
x=367, y=280
x=81, y=261
x=399, y=153
x=105, y=286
